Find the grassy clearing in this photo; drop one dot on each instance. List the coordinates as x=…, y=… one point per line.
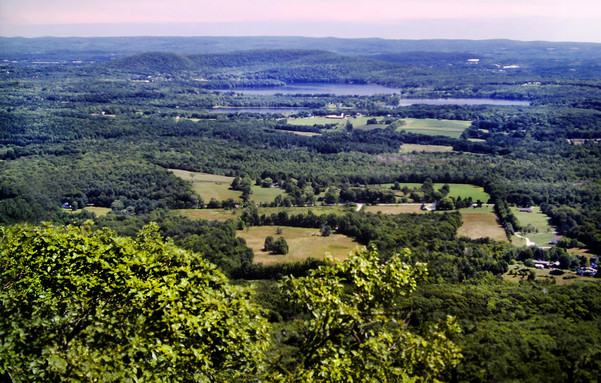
x=265, y=195
x=455, y=190
x=481, y=223
x=394, y=209
x=358, y=122
x=519, y=272
x=99, y=211
x=410, y=148
x=303, y=243
x=536, y=219
x=544, y=232
x=434, y=127
x=209, y=186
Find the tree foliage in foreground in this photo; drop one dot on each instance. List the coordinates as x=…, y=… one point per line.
x=81, y=305
x=354, y=331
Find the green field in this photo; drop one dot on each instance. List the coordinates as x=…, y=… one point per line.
x=303, y=243
x=543, y=233
x=455, y=190
x=99, y=211
x=209, y=186
x=434, y=127
x=310, y=121
x=410, y=148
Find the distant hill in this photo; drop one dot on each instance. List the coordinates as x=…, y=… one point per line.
x=270, y=66
x=108, y=48
x=153, y=62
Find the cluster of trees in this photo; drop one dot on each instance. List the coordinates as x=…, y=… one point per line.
x=278, y=246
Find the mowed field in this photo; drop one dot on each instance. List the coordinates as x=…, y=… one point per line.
x=434, y=127
x=481, y=222
x=209, y=186
x=410, y=148
x=538, y=220
x=455, y=190
x=394, y=209
x=310, y=121
x=303, y=243
x=99, y=211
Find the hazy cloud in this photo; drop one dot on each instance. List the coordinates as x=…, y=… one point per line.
x=23, y=15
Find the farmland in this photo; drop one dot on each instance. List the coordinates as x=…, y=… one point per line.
x=213, y=186
x=394, y=209
x=434, y=127
x=357, y=122
x=303, y=243
x=481, y=223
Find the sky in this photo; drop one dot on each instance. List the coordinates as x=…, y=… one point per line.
x=550, y=20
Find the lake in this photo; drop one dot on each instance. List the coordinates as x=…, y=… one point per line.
x=319, y=88
x=360, y=90
x=461, y=101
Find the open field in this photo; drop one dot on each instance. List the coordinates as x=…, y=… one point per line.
x=538, y=220
x=99, y=211
x=306, y=134
x=303, y=243
x=209, y=186
x=434, y=127
x=394, y=209
x=519, y=272
x=224, y=215
x=208, y=214
x=410, y=148
x=455, y=190
x=481, y=222
x=310, y=121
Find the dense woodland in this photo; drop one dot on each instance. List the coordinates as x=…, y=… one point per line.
x=98, y=122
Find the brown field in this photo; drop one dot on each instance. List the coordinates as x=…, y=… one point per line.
x=303, y=243
x=394, y=209
x=481, y=223
x=410, y=148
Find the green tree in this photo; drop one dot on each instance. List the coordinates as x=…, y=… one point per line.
x=78, y=305
x=268, y=246
x=280, y=246
x=355, y=332
x=326, y=230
